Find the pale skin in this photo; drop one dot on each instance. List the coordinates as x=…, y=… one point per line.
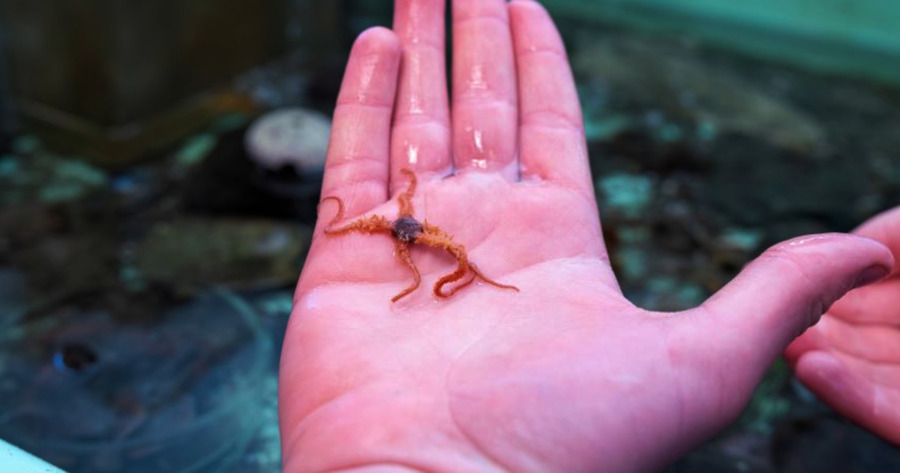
x=565, y=375
x=851, y=358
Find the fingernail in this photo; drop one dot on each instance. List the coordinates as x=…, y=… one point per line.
x=870, y=275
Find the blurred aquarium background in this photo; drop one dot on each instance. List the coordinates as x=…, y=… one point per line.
x=160, y=164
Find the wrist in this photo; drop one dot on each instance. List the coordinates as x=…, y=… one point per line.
x=380, y=431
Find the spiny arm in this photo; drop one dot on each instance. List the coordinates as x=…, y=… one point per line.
x=477, y=272
x=437, y=238
x=370, y=224
x=405, y=198
x=402, y=250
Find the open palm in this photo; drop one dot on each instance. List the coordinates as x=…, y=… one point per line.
x=565, y=375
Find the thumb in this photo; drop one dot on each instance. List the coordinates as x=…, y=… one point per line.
x=787, y=289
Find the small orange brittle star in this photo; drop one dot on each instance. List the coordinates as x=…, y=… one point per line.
x=406, y=231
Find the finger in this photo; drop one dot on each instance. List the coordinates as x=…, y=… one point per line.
x=785, y=291
x=811, y=340
x=484, y=88
x=552, y=142
x=875, y=304
x=875, y=343
x=885, y=227
x=421, y=135
x=866, y=393
x=879, y=303
x=356, y=169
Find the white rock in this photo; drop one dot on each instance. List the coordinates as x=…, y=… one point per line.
x=295, y=137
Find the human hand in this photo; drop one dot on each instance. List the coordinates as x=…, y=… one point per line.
x=851, y=358
x=565, y=375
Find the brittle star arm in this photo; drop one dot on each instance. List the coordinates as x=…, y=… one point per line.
x=402, y=250
x=477, y=272
x=368, y=225
x=404, y=200
x=437, y=238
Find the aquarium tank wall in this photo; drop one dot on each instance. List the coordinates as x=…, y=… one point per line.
x=117, y=80
x=844, y=36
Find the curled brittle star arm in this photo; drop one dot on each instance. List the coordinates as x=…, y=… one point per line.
x=461, y=285
x=340, y=212
x=461, y=270
x=402, y=250
x=370, y=224
x=437, y=238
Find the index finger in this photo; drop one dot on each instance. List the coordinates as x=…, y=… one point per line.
x=356, y=168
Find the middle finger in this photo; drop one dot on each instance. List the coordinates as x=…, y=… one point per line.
x=484, y=88
x=421, y=133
